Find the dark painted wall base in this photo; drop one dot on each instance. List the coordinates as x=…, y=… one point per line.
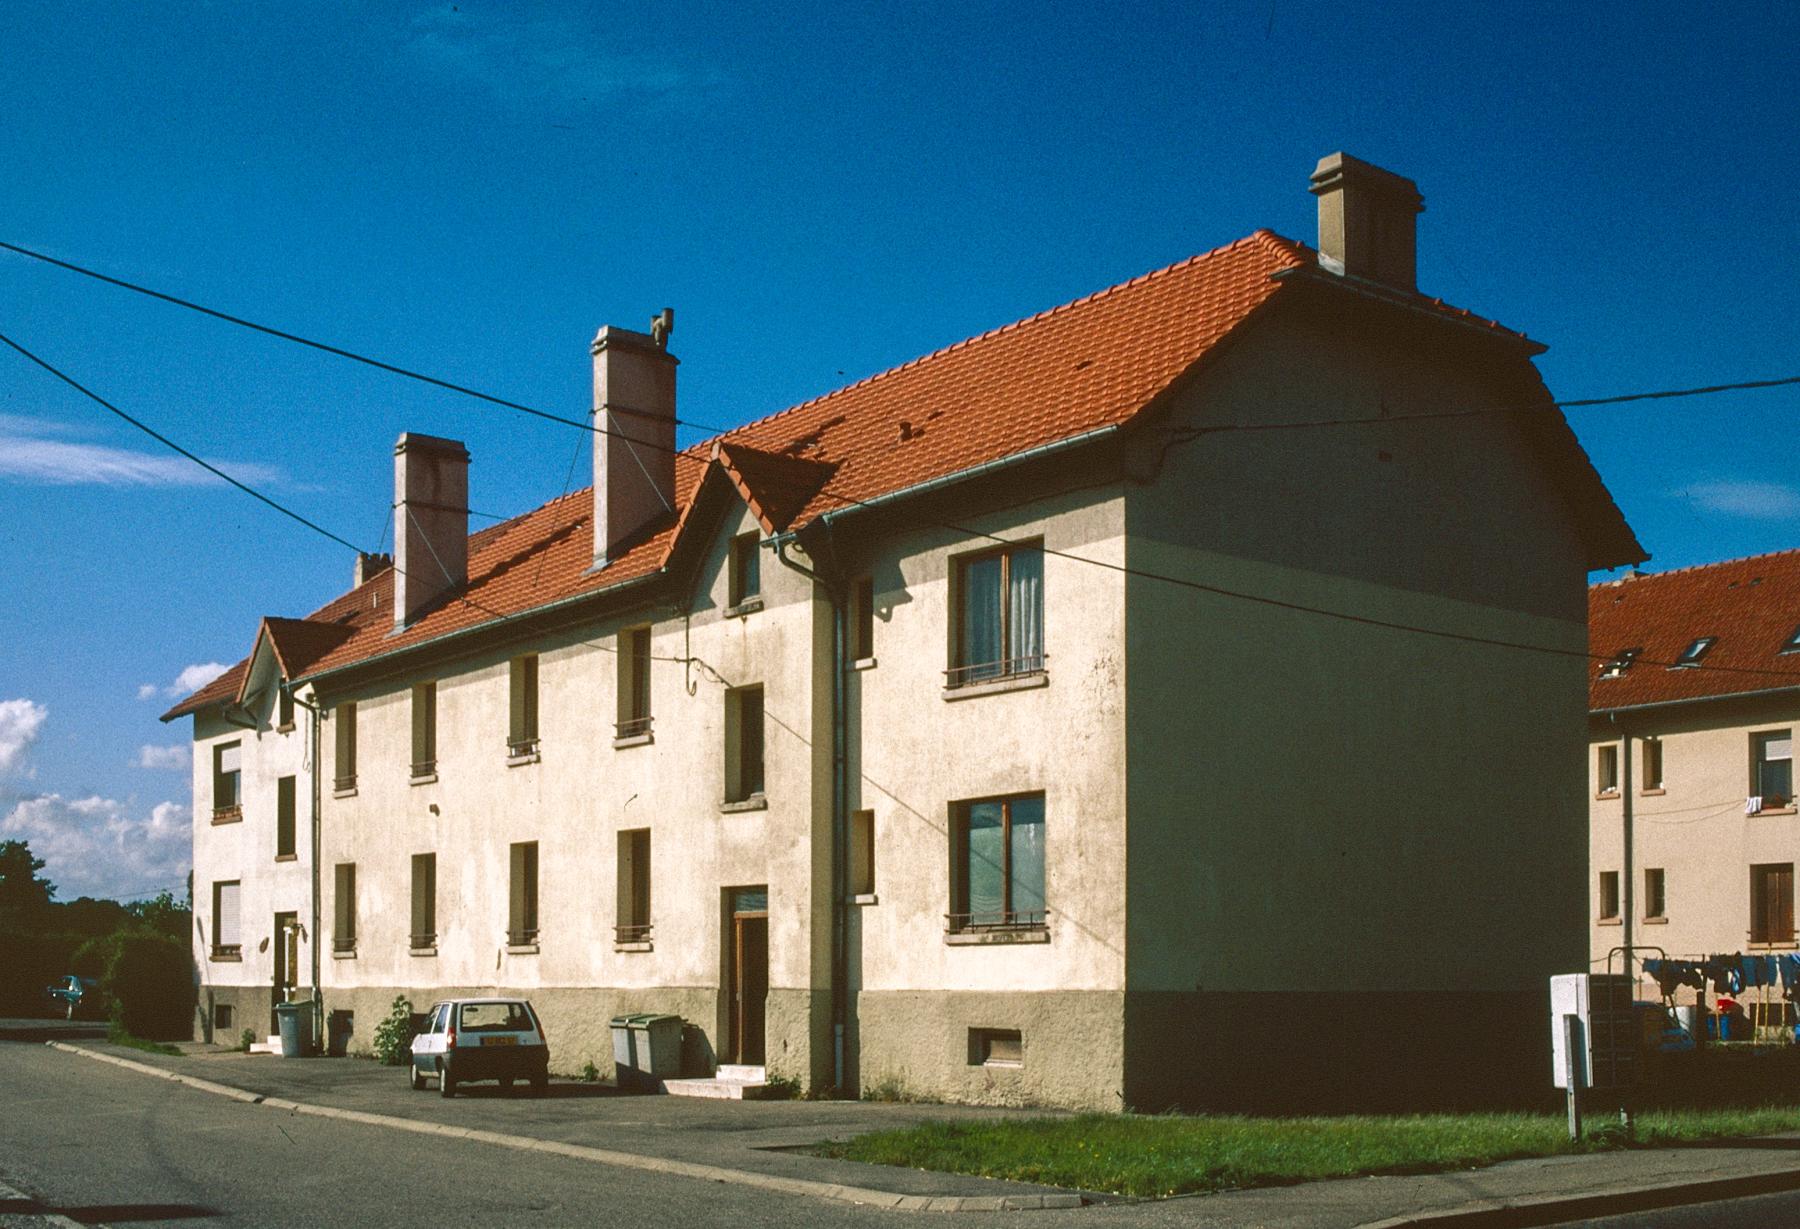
x=1300, y=1052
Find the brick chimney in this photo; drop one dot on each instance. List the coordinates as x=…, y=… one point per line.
x=634, y=442
x=1367, y=224
x=431, y=522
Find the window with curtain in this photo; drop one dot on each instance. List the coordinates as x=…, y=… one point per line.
x=424, y=900
x=228, y=760
x=997, y=876
x=633, y=684
x=522, y=720
x=285, y=807
x=1000, y=620
x=424, y=730
x=344, y=718
x=1774, y=755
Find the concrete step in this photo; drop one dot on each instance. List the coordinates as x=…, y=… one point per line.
x=271, y=1046
x=749, y=1075
x=720, y=1089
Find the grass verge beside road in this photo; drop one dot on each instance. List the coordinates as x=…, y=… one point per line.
x=1161, y=1156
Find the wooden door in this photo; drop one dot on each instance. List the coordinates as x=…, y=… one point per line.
x=286, y=944
x=749, y=986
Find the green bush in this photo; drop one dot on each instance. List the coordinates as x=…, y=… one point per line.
x=246, y=1039
x=148, y=979
x=393, y=1036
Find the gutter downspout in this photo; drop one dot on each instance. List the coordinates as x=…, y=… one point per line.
x=1627, y=898
x=840, y=785
x=314, y=716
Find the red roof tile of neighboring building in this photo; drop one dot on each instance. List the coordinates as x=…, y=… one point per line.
x=1752, y=607
x=1088, y=365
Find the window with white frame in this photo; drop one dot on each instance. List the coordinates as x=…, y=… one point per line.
x=227, y=936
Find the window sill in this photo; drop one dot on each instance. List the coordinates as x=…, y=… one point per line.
x=634, y=740
x=755, y=802
x=519, y=761
x=287, y=857
x=521, y=949
x=1606, y=793
x=1609, y=921
x=865, y=898
x=226, y=957
x=343, y=791
x=424, y=778
x=984, y=938
x=1023, y=682
x=349, y=954
x=1656, y=921
x=749, y=605
x=1753, y=814
x=423, y=951
x=642, y=945
x=863, y=663
x=228, y=815
x=1658, y=792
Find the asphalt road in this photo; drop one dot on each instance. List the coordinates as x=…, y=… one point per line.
x=102, y=1146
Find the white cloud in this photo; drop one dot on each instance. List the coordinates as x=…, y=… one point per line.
x=175, y=756
x=34, y=450
x=97, y=847
x=195, y=677
x=1756, y=500
x=20, y=721
x=148, y=691
x=550, y=58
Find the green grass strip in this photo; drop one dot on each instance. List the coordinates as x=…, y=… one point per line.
x=1161, y=1156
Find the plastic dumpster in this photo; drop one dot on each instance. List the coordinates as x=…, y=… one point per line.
x=656, y=1040
x=295, y=1021
x=625, y=1069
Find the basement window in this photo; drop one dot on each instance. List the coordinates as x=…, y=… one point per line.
x=221, y=1017
x=1691, y=655
x=1620, y=663
x=996, y=1047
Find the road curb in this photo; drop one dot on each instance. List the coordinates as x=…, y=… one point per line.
x=603, y=1156
x=1531, y=1211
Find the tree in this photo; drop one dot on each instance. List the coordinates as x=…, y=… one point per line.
x=163, y=915
x=24, y=895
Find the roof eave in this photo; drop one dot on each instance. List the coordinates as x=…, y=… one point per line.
x=1719, y=698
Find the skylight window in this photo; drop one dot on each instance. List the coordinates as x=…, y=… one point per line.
x=1691, y=655
x=1620, y=663
x=1793, y=643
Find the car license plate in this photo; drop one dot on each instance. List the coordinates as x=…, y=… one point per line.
x=499, y=1041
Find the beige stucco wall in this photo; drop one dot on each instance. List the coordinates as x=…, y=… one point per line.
x=245, y=851
x=575, y=800
x=1694, y=829
x=1323, y=805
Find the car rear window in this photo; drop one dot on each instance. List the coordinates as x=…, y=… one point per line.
x=494, y=1018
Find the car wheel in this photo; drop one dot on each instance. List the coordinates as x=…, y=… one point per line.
x=446, y=1084
x=418, y=1077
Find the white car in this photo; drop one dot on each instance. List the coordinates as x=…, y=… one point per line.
x=481, y=1039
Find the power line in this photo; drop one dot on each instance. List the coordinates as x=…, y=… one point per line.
x=326, y=347
x=1182, y=582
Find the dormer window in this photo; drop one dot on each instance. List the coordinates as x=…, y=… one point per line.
x=1620, y=663
x=1691, y=655
x=1793, y=643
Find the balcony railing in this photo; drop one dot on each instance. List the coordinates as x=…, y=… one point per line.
x=994, y=671
x=998, y=920
x=227, y=951
x=637, y=932
x=344, y=944
x=226, y=814
x=424, y=940
x=517, y=748
x=424, y=768
x=522, y=937
x=634, y=727
x=347, y=782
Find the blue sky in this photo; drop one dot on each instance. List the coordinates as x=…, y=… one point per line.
x=821, y=192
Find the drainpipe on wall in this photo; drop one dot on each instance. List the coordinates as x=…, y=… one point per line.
x=1627, y=897
x=314, y=716
x=840, y=996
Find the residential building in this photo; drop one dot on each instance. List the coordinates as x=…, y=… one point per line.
x=1160, y=700
x=1694, y=829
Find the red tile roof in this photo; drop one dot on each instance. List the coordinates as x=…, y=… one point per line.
x=1092, y=364
x=1751, y=605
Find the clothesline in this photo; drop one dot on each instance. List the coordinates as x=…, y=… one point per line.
x=1728, y=974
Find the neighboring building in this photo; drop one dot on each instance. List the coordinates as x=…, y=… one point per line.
x=1022, y=724
x=1695, y=833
